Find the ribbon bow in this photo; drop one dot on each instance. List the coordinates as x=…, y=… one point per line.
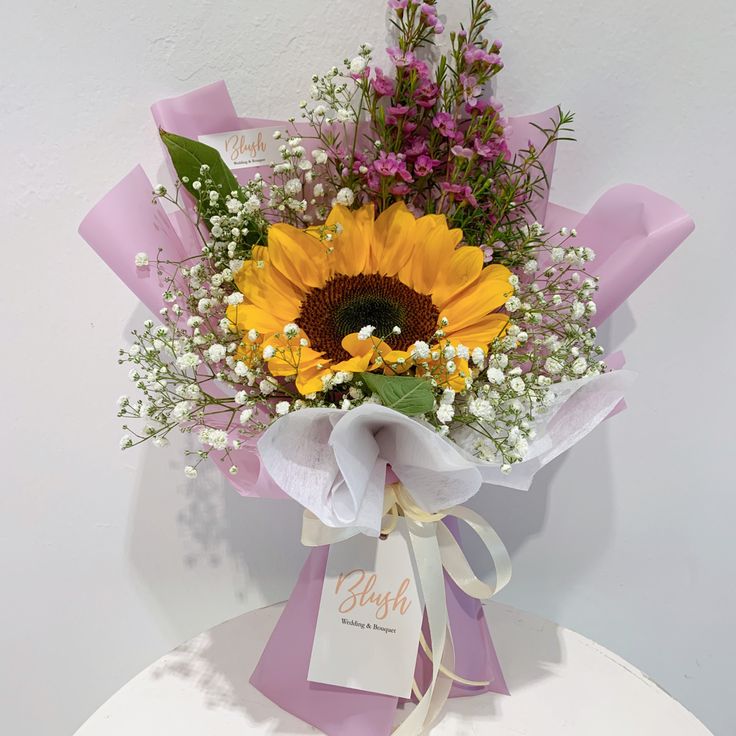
x=434, y=548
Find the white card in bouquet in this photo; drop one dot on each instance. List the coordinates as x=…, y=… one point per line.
x=370, y=616
x=242, y=149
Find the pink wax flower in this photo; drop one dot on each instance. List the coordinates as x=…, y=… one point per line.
x=471, y=89
x=473, y=54
x=460, y=192
x=400, y=189
x=416, y=146
x=486, y=149
x=487, y=253
x=445, y=123
x=426, y=95
x=400, y=58
x=383, y=85
x=425, y=165
x=397, y=112
x=389, y=164
x=398, y=4
x=462, y=152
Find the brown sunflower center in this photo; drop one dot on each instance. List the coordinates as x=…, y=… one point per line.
x=345, y=304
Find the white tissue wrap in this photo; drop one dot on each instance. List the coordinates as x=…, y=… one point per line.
x=333, y=462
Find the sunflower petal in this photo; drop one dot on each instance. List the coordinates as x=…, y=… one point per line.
x=465, y=266
x=351, y=248
x=435, y=244
x=309, y=380
x=488, y=292
x=299, y=257
x=393, y=239
x=268, y=289
x=249, y=317
x=481, y=333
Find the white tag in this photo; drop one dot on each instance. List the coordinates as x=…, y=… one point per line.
x=243, y=149
x=370, y=616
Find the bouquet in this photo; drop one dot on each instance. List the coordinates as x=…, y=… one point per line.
x=374, y=309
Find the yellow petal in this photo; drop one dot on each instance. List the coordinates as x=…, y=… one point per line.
x=464, y=267
x=357, y=347
x=290, y=359
x=393, y=239
x=299, y=257
x=249, y=317
x=435, y=244
x=268, y=289
x=357, y=364
x=488, y=292
x=391, y=362
x=309, y=380
x=351, y=248
x=481, y=333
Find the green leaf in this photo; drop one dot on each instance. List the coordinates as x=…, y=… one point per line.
x=406, y=394
x=188, y=156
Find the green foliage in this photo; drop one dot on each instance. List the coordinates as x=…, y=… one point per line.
x=188, y=157
x=406, y=394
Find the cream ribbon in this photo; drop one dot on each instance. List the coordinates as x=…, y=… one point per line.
x=434, y=548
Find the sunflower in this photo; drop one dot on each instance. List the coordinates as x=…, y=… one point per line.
x=396, y=293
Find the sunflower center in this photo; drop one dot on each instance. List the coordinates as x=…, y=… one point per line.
x=345, y=304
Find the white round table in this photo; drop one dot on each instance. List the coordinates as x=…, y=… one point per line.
x=561, y=684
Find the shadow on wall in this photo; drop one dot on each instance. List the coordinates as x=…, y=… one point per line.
x=236, y=553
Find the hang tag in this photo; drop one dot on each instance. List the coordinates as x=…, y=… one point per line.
x=244, y=149
x=370, y=616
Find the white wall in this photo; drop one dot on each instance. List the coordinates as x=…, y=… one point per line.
x=108, y=560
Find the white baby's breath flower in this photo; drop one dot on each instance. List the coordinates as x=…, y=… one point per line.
x=495, y=375
x=553, y=366
x=365, y=332
x=445, y=413
x=245, y=415
x=215, y=438
x=293, y=187
x=319, y=156
x=216, y=352
x=188, y=360
x=421, y=350
x=282, y=408
x=517, y=385
x=182, y=410
x=190, y=471
x=345, y=196
x=482, y=409
x=579, y=366
x=141, y=259
x=357, y=65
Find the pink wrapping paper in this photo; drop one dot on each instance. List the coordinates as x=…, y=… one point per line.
x=632, y=230
x=281, y=673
